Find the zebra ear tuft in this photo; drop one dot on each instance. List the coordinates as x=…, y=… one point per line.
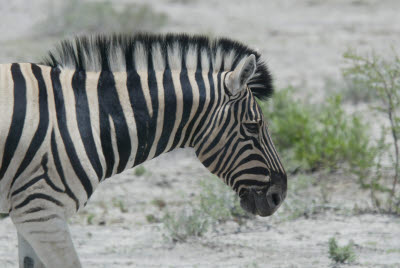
x=238, y=78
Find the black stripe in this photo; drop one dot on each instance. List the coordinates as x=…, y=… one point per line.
x=202, y=98
x=252, y=157
x=243, y=111
x=43, y=125
x=62, y=124
x=235, y=157
x=187, y=95
x=272, y=150
x=141, y=114
x=35, y=180
x=42, y=219
x=169, y=111
x=228, y=159
x=83, y=119
x=222, y=152
x=145, y=125
x=60, y=171
x=214, y=96
x=209, y=107
x=222, y=131
x=38, y=196
x=33, y=210
x=234, y=114
x=265, y=153
x=202, y=123
x=110, y=106
x=229, y=144
x=153, y=88
x=18, y=118
x=250, y=171
x=213, y=120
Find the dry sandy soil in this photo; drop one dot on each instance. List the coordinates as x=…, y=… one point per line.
x=302, y=41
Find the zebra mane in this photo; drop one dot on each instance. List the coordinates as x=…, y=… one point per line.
x=140, y=52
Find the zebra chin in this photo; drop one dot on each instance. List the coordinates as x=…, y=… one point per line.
x=263, y=202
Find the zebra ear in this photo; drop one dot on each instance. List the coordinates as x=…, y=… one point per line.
x=238, y=78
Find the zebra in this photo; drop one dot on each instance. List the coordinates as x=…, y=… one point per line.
x=100, y=104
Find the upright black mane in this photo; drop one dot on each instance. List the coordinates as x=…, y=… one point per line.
x=116, y=52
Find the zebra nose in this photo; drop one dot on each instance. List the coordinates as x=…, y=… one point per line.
x=279, y=187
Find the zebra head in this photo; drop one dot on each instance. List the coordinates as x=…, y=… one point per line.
x=239, y=148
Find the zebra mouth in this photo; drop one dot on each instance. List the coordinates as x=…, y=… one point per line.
x=263, y=202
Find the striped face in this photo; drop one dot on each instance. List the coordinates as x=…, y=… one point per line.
x=240, y=151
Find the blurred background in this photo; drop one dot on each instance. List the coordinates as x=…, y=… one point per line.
x=334, y=118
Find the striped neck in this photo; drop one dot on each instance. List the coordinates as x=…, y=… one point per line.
x=172, y=109
x=144, y=114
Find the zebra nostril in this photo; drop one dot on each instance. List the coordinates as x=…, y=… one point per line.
x=276, y=199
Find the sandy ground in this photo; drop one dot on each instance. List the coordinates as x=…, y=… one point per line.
x=125, y=239
x=302, y=41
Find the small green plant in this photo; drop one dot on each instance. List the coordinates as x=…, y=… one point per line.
x=139, y=171
x=300, y=203
x=3, y=215
x=219, y=202
x=382, y=77
x=151, y=218
x=339, y=254
x=216, y=204
x=253, y=264
x=187, y=223
x=90, y=218
x=161, y=204
x=120, y=204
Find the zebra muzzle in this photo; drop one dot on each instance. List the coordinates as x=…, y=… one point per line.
x=262, y=202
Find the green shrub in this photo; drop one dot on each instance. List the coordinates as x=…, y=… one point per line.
x=382, y=77
x=339, y=254
x=297, y=118
x=336, y=139
x=290, y=121
x=218, y=202
x=317, y=136
x=189, y=222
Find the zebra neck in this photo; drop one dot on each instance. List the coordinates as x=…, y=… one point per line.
x=170, y=109
x=136, y=116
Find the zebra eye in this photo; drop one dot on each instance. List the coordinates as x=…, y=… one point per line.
x=252, y=127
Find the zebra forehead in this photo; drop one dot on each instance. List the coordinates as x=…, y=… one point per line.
x=141, y=52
